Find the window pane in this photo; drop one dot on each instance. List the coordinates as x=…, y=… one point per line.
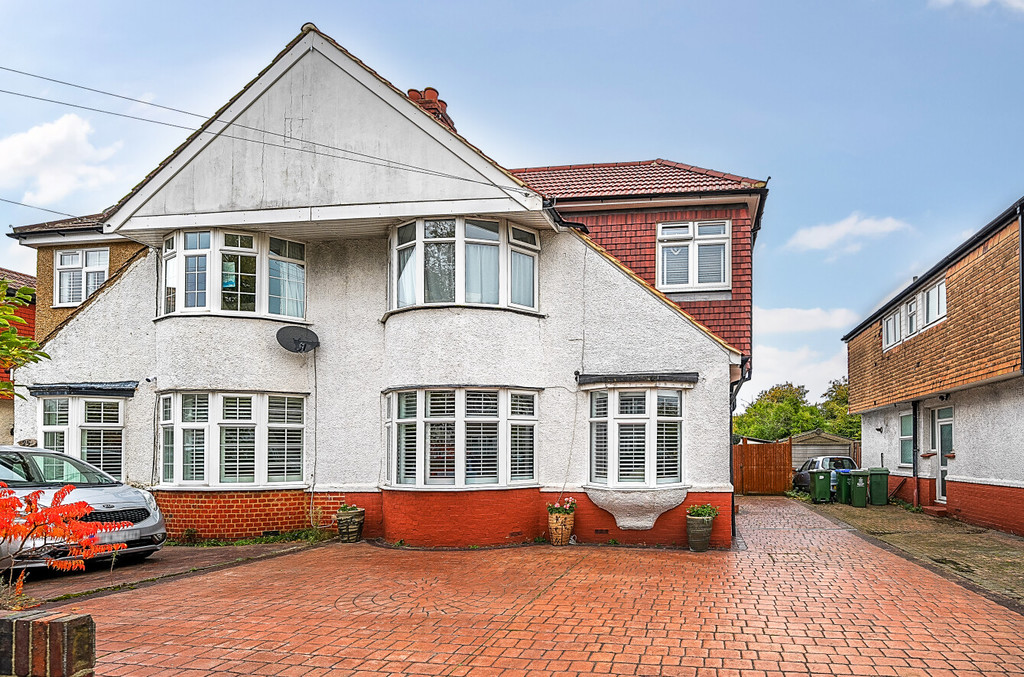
x=407, y=233
x=406, y=405
x=406, y=277
x=522, y=405
x=599, y=452
x=633, y=403
x=945, y=438
x=168, y=454
x=238, y=455
x=195, y=281
x=54, y=441
x=170, y=284
x=441, y=404
x=197, y=240
x=55, y=412
x=521, y=452
x=440, y=453
x=523, y=274
x=632, y=452
x=482, y=403
x=482, y=453
x=481, y=230
x=93, y=280
x=946, y=412
x=102, y=448
x=287, y=288
x=482, y=273
x=285, y=410
x=70, y=282
x=407, y=450
x=97, y=258
x=169, y=244
x=710, y=263
x=675, y=265
x=195, y=408
x=284, y=455
x=288, y=249
x=712, y=228
x=238, y=282
x=670, y=403
x=599, y=404
x=669, y=468
x=675, y=230
x=193, y=443
x=239, y=241
x=439, y=272
x=69, y=259
x=439, y=229
x=526, y=236
x=906, y=452
x=102, y=412
x=906, y=426
x=238, y=408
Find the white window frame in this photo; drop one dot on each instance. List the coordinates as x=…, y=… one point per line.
x=936, y=423
x=892, y=329
x=693, y=240
x=76, y=423
x=651, y=418
x=898, y=326
x=905, y=438
x=216, y=421
x=505, y=421
x=175, y=255
x=83, y=269
x=506, y=244
x=939, y=289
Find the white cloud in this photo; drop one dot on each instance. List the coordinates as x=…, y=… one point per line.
x=1017, y=5
x=801, y=366
x=846, y=236
x=793, y=320
x=14, y=256
x=53, y=160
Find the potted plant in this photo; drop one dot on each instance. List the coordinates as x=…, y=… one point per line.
x=350, y=522
x=561, y=516
x=698, y=526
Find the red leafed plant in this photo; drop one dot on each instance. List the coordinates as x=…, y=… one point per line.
x=29, y=530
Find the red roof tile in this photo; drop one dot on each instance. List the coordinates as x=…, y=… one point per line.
x=20, y=279
x=648, y=177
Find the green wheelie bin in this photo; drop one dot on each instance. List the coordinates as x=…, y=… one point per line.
x=821, y=486
x=859, y=488
x=843, y=486
x=879, y=481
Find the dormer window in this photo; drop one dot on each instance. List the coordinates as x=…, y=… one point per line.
x=78, y=273
x=228, y=272
x=464, y=261
x=694, y=255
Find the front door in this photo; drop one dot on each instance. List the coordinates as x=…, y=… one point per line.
x=944, y=430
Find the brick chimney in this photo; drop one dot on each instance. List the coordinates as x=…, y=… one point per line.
x=428, y=101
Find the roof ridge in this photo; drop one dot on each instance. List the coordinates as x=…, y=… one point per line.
x=594, y=165
x=709, y=172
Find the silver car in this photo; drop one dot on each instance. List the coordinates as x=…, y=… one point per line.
x=26, y=469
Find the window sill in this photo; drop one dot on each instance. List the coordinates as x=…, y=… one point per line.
x=66, y=305
x=468, y=487
x=636, y=487
x=229, y=487
x=690, y=289
x=470, y=306
x=241, y=316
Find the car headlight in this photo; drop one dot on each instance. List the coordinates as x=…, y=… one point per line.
x=151, y=501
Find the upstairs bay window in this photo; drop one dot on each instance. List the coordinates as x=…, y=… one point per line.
x=256, y=274
x=464, y=261
x=693, y=255
x=78, y=273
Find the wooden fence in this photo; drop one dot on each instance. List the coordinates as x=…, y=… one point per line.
x=762, y=468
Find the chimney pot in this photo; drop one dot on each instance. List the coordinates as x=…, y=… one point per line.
x=414, y=95
x=430, y=94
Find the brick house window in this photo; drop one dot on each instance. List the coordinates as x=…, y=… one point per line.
x=906, y=439
x=892, y=330
x=935, y=302
x=89, y=428
x=694, y=255
x=461, y=437
x=78, y=273
x=636, y=437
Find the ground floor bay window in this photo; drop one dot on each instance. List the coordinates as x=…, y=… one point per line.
x=461, y=437
x=231, y=439
x=90, y=428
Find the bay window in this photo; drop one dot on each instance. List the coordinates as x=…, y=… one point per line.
x=693, y=255
x=636, y=436
x=464, y=261
x=461, y=437
x=212, y=439
x=78, y=273
x=90, y=428
x=257, y=275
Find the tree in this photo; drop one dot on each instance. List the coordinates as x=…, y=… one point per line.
x=835, y=410
x=778, y=412
x=15, y=350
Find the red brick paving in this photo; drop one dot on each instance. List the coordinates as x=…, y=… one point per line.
x=806, y=598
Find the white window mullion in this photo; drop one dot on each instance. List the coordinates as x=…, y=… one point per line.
x=460, y=409
x=613, y=438
x=460, y=271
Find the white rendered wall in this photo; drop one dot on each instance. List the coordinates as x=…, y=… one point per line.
x=987, y=435
x=595, y=319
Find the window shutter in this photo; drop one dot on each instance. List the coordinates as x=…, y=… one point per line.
x=521, y=452
x=195, y=408
x=71, y=286
x=238, y=408
x=193, y=447
x=675, y=265
x=102, y=412
x=599, y=452
x=522, y=405
x=632, y=452
x=599, y=405
x=668, y=451
x=168, y=454
x=481, y=403
x=54, y=441
x=238, y=455
x=482, y=453
x=441, y=452
x=407, y=449
x=441, y=404
x=102, y=448
x=285, y=410
x=633, y=403
x=284, y=455
x=710, y=263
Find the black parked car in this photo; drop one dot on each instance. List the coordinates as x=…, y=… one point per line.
x=802, y=478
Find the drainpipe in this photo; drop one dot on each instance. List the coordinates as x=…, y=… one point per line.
x=734, y=389
x=916, y=433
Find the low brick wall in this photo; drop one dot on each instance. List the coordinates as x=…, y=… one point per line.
x=425, y=518
x=987, y=505
x=926, y=489
x=47, y=644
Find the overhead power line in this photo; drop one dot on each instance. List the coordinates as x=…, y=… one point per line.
x=365, y=158
x=52, y=211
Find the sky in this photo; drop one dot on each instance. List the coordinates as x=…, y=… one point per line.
x=890, y=128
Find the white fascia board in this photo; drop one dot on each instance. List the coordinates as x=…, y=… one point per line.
x=225, y=119
x=46, y=239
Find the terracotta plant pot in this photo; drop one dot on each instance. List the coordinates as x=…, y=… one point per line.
x=560, y=528
x=698, y=532
x=350, y=525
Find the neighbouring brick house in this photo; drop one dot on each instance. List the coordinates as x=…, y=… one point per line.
x=487, y=340
x=936, y=375
x=15, y=281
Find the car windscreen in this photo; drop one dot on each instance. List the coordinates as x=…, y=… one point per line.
x=61, y=469
x=843, y=464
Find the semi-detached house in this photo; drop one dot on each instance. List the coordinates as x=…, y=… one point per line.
x=486, y=340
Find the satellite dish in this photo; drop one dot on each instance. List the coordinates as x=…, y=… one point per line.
x=297, y=339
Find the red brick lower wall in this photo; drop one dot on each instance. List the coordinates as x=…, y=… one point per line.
x=987, y=505
x=926, y=489
x=424, y=518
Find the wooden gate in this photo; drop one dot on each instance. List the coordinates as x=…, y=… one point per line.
x=762, y=468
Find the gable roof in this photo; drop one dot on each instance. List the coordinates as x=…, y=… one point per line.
x=821, y=436
x=647, y=177
x=20, y=279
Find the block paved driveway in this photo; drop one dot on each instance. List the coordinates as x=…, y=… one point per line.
x=806, y=598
